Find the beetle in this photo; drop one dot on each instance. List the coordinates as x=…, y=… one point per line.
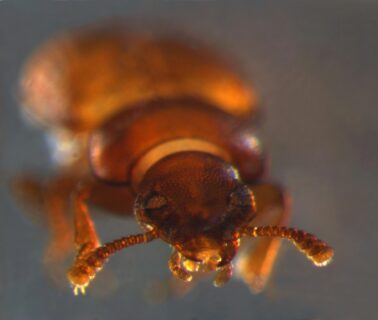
x=161, y=128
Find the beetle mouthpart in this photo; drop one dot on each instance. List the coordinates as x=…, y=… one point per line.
x=182, y=268
x=178, y=269
x=223, y=276
x=210, y=261
x=191, y=266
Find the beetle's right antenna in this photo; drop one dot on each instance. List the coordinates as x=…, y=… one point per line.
x=89, y=261
x=318, y=251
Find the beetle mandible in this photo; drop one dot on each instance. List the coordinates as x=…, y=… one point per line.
x=162, y=128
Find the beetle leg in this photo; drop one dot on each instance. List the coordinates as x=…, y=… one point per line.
x=86, y=238
x=255, y=264
x=85, y=232
x=48, y=203
x=91, y=256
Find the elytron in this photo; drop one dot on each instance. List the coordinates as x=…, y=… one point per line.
x=160, y=128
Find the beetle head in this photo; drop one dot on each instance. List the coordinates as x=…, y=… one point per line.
x=197, y=203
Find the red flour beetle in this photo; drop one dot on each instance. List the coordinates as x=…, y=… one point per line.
x=162, y=129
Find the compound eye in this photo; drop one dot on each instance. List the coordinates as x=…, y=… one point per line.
x=241, y=197
x=155, y=201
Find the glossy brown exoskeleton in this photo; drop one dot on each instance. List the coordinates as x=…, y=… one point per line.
x=161, y=128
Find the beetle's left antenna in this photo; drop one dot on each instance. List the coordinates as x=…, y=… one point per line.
x=318, y=251
x=89, y=262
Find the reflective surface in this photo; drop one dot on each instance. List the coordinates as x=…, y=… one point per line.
x=314, y=67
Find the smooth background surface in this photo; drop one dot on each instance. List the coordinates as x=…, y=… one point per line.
x=314, y=65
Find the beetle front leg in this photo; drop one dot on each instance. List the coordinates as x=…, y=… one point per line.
x=91, y=255
x=86, y=240
x=47, y=202
x=255, y=264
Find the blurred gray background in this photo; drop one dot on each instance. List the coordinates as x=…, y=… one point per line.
x=314, y=65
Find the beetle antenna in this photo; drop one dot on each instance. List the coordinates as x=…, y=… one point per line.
x=89, y=262
x=318, y=251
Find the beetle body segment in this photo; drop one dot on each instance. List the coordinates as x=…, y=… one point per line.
x=115, y=148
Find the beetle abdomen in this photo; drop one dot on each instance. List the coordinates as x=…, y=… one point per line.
x=78, y=80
